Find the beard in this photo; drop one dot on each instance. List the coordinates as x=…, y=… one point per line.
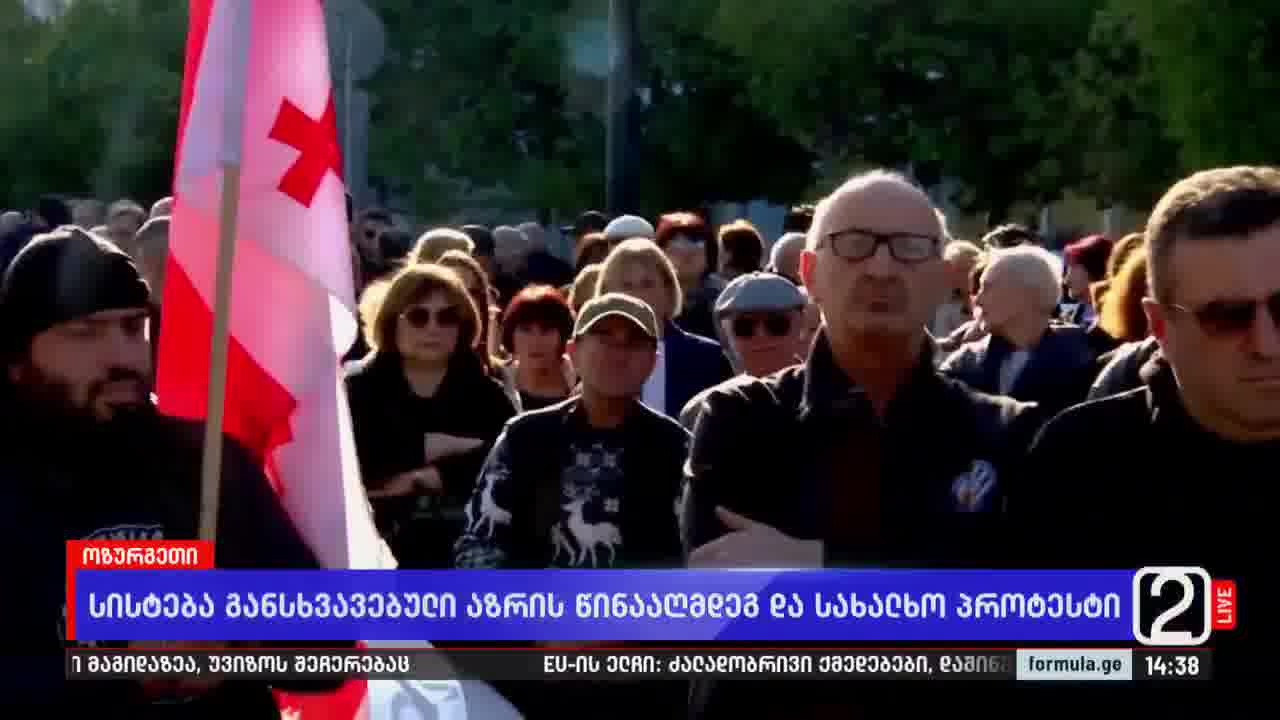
x=49, y=405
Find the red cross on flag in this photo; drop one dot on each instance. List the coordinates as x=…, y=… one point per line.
x=258, y=182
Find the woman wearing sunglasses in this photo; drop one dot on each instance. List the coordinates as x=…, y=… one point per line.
x=423, y=408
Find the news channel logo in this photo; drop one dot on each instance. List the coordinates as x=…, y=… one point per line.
x=1180, y=606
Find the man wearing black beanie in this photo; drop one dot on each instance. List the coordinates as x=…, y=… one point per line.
x=86, y=456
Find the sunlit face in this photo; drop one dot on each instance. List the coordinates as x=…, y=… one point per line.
x=537, y=345
x=641, y=279
x=767, y=341
x=1004, y=299
x=428, y=331
x=1078, y=283
x=93, y=367
x=614, y=358
x=1222, y=338
x=878, y=296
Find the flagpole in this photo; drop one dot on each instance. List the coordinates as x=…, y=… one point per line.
x=211, y=468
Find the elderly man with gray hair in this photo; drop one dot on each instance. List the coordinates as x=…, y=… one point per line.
x=1026, y=356
x=760, y=318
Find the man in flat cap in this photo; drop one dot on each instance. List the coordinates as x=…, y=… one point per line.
x=762, y=325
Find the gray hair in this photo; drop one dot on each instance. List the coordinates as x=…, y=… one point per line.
x=857, y=184
x=1034, y=268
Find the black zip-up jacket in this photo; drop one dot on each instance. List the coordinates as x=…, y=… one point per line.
x=1121, y=368
x=1133, y=480
x=757, y=450
x=139, y=480
x=762, y=448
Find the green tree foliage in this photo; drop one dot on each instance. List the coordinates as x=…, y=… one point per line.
x=976, y=91
x=1215, y=66
x=92, y=98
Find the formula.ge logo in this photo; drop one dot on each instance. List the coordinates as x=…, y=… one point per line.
x=1180, y=606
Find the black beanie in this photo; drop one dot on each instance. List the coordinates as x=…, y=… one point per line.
x=61, y=276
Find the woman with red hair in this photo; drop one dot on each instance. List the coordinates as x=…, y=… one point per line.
x=687, y=240
x=536, y=327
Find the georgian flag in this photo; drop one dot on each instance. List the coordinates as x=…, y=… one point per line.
x=257, y=94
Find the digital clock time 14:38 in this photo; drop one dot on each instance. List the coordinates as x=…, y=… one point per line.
x=1172, y=665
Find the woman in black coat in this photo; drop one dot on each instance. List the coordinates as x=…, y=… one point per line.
x=423, y=409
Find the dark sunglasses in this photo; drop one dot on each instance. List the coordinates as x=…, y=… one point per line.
x=744, y=326
x=1222, y=318
x=420, y=317
x=857, y=244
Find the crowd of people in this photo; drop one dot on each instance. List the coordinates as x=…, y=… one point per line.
x=864, y=391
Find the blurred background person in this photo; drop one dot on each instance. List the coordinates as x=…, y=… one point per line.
x=482, y=239
x=88, y=213
x=1010, y=235
x=625, y=227
x=510, y=250
x=161, y=208
x=687, y=363
x=784, y=256
x=584, y=286
x=761, y=317
x=365, y=229
x=1086, y=263
x=1026, y=356
x=1120, y=252
x=588, y=223
x=1124, y=317
x=423, y=409
x=434, y=243
x=741, y=249
x=489, y=349
x=691, y=248
x=153, y=254
x=592, y=249
x=960, y=257
x=542, y=267
x=124, y=218
x=536, y=328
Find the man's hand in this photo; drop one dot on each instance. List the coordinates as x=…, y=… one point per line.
x=412, y=482
x=440, y=445
x=752, y=544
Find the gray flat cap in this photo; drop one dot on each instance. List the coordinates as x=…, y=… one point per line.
x=759, y=292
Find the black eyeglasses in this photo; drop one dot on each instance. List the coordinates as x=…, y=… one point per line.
x=858, y=244
x=775, y=325
x=420, y=317
x=1223, y=318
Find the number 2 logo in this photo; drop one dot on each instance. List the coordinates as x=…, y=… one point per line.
x=1180, y=581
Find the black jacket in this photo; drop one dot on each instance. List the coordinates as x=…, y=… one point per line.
x=1133, y=480
x=759, y=450
x=390, y=423
x=139, y=482
x=1056, y=376
x=1121, y=368
x=693, y=364
x=535, y=448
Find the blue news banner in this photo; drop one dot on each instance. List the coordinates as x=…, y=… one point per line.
x=609, y=605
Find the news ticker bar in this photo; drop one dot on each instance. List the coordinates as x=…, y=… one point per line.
x=631, y=664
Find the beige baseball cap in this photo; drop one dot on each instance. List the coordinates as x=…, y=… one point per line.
x=620, y=305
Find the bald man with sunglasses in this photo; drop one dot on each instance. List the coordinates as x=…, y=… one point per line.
x=1181, y=471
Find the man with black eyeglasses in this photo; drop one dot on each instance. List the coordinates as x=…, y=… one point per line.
x=761, y=318
x=877, y=459
x=1182, y=471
